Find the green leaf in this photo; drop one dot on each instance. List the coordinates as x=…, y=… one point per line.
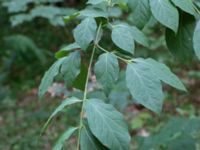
x=65, y=136
x=165, y=13
x=107, y=125
x=141, y=12
x=163, y=73
x=85, y=32
x=94, y=13
x=70, y=17
x=71, y=67
x=180, y=44
x=65, y=50
x=145, y=87
x=114, y=12
x=66, y=102
x=139, y=36
x=49, y=76
x=88, y=141
x=107, y=69
x=121, y=2
x=196, y=40
x=185, y=5
x=123, y=38
x=94, y=2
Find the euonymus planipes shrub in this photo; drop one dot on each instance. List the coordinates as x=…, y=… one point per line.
x=101, y=125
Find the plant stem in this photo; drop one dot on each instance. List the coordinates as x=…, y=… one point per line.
x=86, y=84
x=123, y=59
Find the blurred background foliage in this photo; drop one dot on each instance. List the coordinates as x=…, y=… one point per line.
x=32, y=31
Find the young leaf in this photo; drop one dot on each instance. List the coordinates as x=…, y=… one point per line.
x=107, y=69
x=49, y=76
x=165, y=13
x=107, y=124
x=66, y=102
x=71, y=17
x=88, y=141
x=122, y=37
x=185, y=5
x=141, y=12
x=65, y=50
x=196, y=40
x=163, y=73
x=180, y=44
x=144, y=86
x=139, y=36
x=71, y=67
x=65, y=136
x=85, y=32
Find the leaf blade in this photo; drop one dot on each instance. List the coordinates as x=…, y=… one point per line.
x=141, y=12
x=88, y=141
x=144, y=86
x=63, y=51
x=66, y=102
x=123, y=38
x=107, y=125
x=85, y=32
x=185, y=5
x=65, y=136
x=48, y=78
x=71, y=67
x=139, y=36
x=107, y=69
x=165, y=13
x=163, y=73
x=180, y=44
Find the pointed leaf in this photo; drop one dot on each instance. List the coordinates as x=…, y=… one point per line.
x=163, y=73
x=165, y=13
x=107, y=124
x=185, y=5
x=122, y=37
x=66, y=102
x=85, y=32
x=65, y=50
x=180, y=44
x=107, y=69
x=71, y=67
x=139, y=36
x=48, y=78
x=65, y=136
x=196, y=40
x=144, y=86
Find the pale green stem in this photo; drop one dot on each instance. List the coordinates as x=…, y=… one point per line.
x=123, y=59
x=86, y=85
